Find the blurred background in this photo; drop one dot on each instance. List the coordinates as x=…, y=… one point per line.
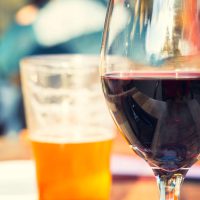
x=32, y=27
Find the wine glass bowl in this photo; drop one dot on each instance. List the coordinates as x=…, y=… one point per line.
x=150, y=72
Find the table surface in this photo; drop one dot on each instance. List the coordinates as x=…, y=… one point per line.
x=123, y=188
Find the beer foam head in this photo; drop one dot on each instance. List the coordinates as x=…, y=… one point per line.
x=80, y=135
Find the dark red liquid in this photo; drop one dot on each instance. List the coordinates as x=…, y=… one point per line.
x=159, y=114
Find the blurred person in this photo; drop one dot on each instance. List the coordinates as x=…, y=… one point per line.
x=44, y=27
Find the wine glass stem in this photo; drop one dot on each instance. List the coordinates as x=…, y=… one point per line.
x=170, y=186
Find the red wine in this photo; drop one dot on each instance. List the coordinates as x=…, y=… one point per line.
x=159, y=115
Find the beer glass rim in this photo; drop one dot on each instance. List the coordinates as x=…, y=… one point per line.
x=60, y=62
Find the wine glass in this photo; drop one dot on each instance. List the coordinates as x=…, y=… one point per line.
x=150, y=72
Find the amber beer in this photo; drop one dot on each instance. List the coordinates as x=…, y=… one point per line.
x=73, y=169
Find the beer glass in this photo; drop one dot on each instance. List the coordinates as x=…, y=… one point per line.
x=69, y=127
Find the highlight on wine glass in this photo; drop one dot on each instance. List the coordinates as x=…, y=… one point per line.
x=69, y=126
x=150, y=71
